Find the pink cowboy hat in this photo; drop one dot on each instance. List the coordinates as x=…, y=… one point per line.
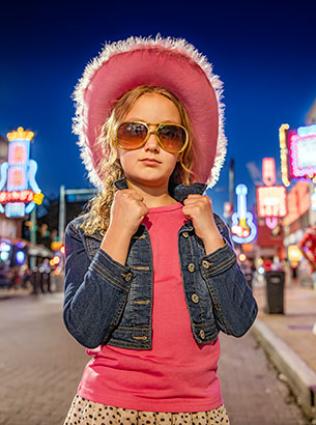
x=165, y=62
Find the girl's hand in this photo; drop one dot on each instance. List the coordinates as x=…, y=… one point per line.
x=127, y=211
x=199, y=209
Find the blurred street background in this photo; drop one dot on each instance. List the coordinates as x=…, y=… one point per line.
x=265, y=54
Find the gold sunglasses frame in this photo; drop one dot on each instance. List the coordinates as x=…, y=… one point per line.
x=155, y=132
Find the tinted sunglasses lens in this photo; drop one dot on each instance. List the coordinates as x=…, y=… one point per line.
x=173, y=137
x=130, y=135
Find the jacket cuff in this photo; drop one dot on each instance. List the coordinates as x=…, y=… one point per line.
x=218, y=262
x=111, y=271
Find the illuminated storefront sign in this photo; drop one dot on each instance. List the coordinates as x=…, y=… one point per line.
x=271, y=198
x=313, y=199
x=298, y=201
x=271, y=201
x=298, y=152
x=302, y=151
x=15, y=196
x=19, y=192
x=243, y=227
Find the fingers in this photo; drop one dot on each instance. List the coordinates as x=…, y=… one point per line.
x=130, y=193
x=197, y=199
x=143, y=208
x=138, y=199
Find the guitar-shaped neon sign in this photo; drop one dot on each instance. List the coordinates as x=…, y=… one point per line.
x=243, y=227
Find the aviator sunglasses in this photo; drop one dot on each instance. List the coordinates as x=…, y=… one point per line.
x=172, y=138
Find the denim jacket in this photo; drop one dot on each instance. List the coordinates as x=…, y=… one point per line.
x=109, y=303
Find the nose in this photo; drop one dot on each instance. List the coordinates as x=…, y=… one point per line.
x=152, y=142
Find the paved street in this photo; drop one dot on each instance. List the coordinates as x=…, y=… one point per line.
x=40, y=367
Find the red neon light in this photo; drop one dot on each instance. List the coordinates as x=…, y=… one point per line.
x=24, y=196
x=268, y=171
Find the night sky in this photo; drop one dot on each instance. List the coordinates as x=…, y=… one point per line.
x=265, y=52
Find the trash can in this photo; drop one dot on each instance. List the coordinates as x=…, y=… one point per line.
x=275, y=281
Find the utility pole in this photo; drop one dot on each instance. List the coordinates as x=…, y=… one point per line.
x=76, y=195
x=231, y=184
x=33, y=236
x=62, y=213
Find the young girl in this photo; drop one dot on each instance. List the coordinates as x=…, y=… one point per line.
x=151, y=275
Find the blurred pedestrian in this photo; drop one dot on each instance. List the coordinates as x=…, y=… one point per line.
x=45, y=270
x=247, y=271
x=25, y=273
x=308, y=248
x=151, y=276
x=277, y=264
x=267, y=264
x=35, y=280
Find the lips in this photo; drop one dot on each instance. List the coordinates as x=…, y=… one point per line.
x=150, y=160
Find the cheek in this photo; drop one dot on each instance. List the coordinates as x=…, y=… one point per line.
x=171, y=161
x=127, y=159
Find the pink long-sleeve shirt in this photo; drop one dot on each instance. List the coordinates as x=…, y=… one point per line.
x=177, y=374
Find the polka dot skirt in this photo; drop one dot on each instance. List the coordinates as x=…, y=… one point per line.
x=86, y=412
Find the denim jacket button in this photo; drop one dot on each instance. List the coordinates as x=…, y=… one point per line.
x=185, y=234
x=202, y=334
x=191, y=267
x=128, y=277
x=143, y=338
x=195, y=298
x=206, y=264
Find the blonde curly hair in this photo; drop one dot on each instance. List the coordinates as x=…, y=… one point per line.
x=98, y=216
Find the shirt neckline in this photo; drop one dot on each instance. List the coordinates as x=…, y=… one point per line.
x=165, y=208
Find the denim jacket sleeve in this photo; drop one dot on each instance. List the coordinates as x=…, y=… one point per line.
x=95, y=291
x=235, y=308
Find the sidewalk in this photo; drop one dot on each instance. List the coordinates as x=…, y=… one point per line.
x=290, y=342
x=57, y=283
x=14, y=292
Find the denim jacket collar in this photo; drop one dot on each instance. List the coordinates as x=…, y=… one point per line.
x=179, y=192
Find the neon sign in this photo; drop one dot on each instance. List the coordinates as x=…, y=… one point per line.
x=298, y=201
x=298, y=152
x=271, y=198
x=302, y=151
x=271, y=201
x=268, y=171
x=284, y=154
x=16, y=196
x=19, y=192
x=243, y=227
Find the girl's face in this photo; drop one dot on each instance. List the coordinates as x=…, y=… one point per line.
x=150, y=108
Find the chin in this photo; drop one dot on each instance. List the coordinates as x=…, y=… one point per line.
x=147, y=179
